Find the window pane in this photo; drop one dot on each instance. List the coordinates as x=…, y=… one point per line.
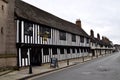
x=61, y=50
x=82, y=39
x=68, y=50
x=45, y=51
x=73, y=50
x=45, y=31
x=73, y=38
x=54, y=50
x=87, y=40
x=28, y=29
x=62, y=35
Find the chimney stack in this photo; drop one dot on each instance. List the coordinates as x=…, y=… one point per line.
x=92, y=33
x=98, y=36
x=78, y=22
x=103, y=38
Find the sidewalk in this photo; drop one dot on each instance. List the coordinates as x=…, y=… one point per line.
x=45, y=68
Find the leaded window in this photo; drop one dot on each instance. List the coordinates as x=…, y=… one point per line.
x=73, y=50
x=68, y=50
x=81, y=39
x=78, y=51
x=87, y=39
x=45, y=51
x=73, y=38
x=61, y=50
x=54, y=50
x=28, y=29
x=62, y=35
x=45, y=32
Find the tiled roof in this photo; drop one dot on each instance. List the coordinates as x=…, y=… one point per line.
x=31, y=13
x=101, y=42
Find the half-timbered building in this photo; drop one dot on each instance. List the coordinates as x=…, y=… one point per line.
x=100, y=46
x=31, y=35
x=43, y=35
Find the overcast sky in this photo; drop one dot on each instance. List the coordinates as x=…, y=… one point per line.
x=100, y=15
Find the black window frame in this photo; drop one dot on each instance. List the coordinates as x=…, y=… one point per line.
x=82, y=39
x=68, y=50
x=87, y=40
x=54, y=51
x=73, y=50
x=61, y=50
x=73, y=38
x=28, y=28
x=43, y=30
x=45, y=51
x=62, y=35
x=78, y=50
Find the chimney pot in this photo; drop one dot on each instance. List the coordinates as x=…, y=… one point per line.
x=92, y=33
x=98, y=36
x=78, y=22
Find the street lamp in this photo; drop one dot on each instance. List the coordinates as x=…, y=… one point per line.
x=30, y=32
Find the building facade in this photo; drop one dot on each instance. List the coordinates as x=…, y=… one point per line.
x=30, y=35
x=100, y=46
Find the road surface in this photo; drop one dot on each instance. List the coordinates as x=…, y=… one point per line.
x=104, y=68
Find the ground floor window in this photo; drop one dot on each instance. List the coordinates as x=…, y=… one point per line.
x=61, y=50
x=24, y=53
x=78, y=51
x=46, y=51
x=54, y=51
x=81, y=50
x=68, y=50
x=73, y=50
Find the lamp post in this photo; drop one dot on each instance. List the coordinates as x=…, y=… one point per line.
x=30, y=29
x=30, y=66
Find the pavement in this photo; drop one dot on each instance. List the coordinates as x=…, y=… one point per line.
x=23, y=74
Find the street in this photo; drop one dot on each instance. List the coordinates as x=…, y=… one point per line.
x=103, y=68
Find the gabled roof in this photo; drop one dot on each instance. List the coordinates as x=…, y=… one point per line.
x=31, y=13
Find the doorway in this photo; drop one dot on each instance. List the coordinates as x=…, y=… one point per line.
x=36, y=56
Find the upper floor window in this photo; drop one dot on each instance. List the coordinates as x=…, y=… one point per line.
x=87, y=39
x=62, y=35
x=28, y=29
x=73, y=38
x=81, y=39
x=45, y=31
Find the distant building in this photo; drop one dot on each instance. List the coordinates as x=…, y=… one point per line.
x=100, y=46
x=117, y=47
x=26, y=30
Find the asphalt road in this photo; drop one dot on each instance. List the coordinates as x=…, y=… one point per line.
x=104, y=68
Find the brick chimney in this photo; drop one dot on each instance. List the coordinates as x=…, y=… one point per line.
x=92, y=33
x=78, y=22
x=103, y=38
x=98, y=36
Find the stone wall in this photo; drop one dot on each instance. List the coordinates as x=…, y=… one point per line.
x=7, y=34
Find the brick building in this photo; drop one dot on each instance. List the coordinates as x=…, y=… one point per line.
x=28, y=33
